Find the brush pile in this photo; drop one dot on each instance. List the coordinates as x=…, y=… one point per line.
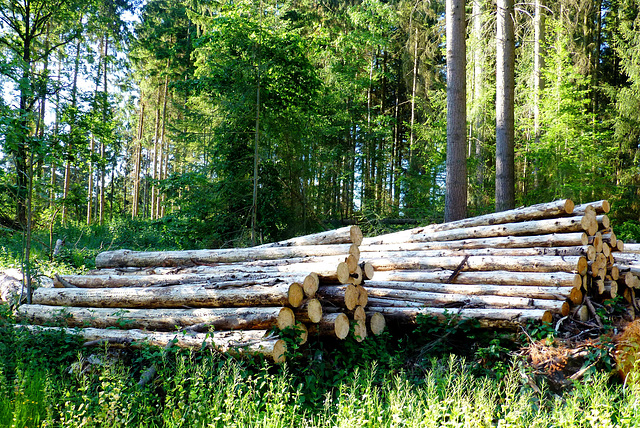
x=233, y=300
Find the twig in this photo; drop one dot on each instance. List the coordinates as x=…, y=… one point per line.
x=458, y=269
x=64, y=282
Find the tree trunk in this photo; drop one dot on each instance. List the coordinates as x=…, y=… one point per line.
x=70, y=149
x=154, y=161
x=237, y=343
x=538, y=64
x=477, y=110
x=532, y=292
x=165, y=297
x=416, y=261
x=505, y=83
x=555, y=279
x=486, y=317
x=137, y=162
x=348, y=234
x=536, y=227
x=548, y=210
x=90, y=184
x=105, y=107
x=247, y=318
x=524, y=242
x=162, y=157
x=123, y=258
x=401, y=298
x=377, y=251
x=456, y=179
x=220, y=280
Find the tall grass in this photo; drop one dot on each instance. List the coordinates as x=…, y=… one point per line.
x=210, y=391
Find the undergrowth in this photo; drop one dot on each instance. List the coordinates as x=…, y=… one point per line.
x=412, y=380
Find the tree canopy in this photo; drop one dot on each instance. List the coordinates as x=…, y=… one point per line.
x=226, y=122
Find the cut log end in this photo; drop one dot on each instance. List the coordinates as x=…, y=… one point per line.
x=584, y=239
x=565, y=309
x=377, y=323
x=352, y=263
x=576, y=296
x=583, y=313
x=367, y=271
x=343, y=273
x=356, y=277
x=303, y=332
x=286, y=318
x=296, y=294
x=359, y=314
x=577, y=281
x=341, y=326
x=568, y=206
x=354, y=250
x=363, y=296
x=351, y=297
x=356, y=235
x=360, y=330
x=547, y=317
x=582, y=265
x=279, y=351
x=310, y=284
x=314, y=310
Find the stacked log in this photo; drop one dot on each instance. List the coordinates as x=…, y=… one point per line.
x=240, y=294
x=540, y=262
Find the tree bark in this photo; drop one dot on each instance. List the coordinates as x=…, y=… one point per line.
x=533, y=292
x=336, y=324
x=166, y=297
x=505, y=83
x=522, y=242
x=244, y=318
x=456, y=179
x=237, y=343
x=486, y=317
x=548, y=210
x=123, y=258
x=221, y=280
x=404, y=260
x=557, y=279
x=376, y=251
x=536, y=227
x=344, y=235
x=397, y=297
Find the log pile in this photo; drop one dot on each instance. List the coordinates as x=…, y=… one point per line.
x=234, y=300
x=542, y=262
x=545, y=262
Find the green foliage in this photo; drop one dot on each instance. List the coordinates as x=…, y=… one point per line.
x=629, y=231
x=541, y=331
x=315, y=390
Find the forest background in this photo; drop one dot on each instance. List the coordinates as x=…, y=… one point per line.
x=222, y=123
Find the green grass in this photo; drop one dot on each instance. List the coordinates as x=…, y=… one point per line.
x=347, y=388
x=467, y=380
